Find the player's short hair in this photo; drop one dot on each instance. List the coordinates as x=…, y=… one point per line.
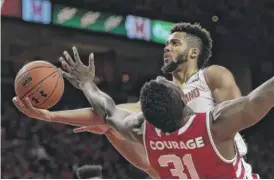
x=89, y=171
x=198, y=36
x=162, y=105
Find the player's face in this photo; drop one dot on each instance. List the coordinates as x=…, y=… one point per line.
x=176, y=49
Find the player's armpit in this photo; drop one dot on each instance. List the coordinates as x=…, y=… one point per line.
x=222, y=83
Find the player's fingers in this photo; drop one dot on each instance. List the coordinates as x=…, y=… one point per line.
x=160, y=78
x=80, y=129
x=19, y=105
x=163, y=80
x=65, y=74
x=16, y=103
x=91, y=62
x=69, y=77
x=69, y=59
x=65, y=65
x=76, y=56
x=28, y=104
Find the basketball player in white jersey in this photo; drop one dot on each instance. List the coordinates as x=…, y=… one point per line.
x=186, y=55
x=188, y=47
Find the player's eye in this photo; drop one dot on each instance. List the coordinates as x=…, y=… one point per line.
x=175, y=43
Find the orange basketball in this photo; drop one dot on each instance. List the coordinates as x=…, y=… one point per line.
x=41, y=82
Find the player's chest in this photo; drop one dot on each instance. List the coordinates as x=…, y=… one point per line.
x=196, y=92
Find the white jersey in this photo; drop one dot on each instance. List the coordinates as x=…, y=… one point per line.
x=197, y=94
x=199, y=98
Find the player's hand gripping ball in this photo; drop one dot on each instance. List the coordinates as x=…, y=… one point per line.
x=41, y=82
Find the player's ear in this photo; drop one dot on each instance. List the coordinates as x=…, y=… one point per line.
x=194, y=53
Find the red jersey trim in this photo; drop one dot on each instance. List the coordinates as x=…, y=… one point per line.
x=187, y=125
x=213, y=144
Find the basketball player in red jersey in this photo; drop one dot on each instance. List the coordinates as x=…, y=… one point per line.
x=182, y=144
x=179, y=143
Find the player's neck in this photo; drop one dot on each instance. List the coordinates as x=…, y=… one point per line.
x=182, y=76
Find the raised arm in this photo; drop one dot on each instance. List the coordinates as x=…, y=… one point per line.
x=82, y=77
x=235, y=115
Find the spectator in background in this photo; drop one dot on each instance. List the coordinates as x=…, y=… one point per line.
x=89, y=172
x=126, y=83
x=127, y=88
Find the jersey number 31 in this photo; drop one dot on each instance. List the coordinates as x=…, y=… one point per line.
x=179, y=165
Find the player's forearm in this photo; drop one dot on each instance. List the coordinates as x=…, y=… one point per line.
x=77, y=117
x=86, y=116
x=261, y=100
x=102, y=104
x=133, y=152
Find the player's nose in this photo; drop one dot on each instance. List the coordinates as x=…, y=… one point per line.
x=167, y=49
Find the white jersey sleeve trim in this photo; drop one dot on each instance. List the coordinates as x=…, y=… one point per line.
x=187, y=125
x=213, y=144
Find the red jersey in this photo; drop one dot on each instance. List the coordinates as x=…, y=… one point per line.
x=189, y=153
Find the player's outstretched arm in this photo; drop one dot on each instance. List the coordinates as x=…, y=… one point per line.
x=235, y=115
x=76, y=117
x=82, y=76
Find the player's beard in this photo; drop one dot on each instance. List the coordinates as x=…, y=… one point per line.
x=173, y=66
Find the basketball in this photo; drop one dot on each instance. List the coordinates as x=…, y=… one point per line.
x=41, y=82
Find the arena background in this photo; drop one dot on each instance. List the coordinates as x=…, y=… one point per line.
x=127, y=37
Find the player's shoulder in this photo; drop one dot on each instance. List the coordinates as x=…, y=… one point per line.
x=216, y=69
x=216, y=74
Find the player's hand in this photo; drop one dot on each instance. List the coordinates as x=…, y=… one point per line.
x=27, y=108
x=75, y=71
x=96, y=129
